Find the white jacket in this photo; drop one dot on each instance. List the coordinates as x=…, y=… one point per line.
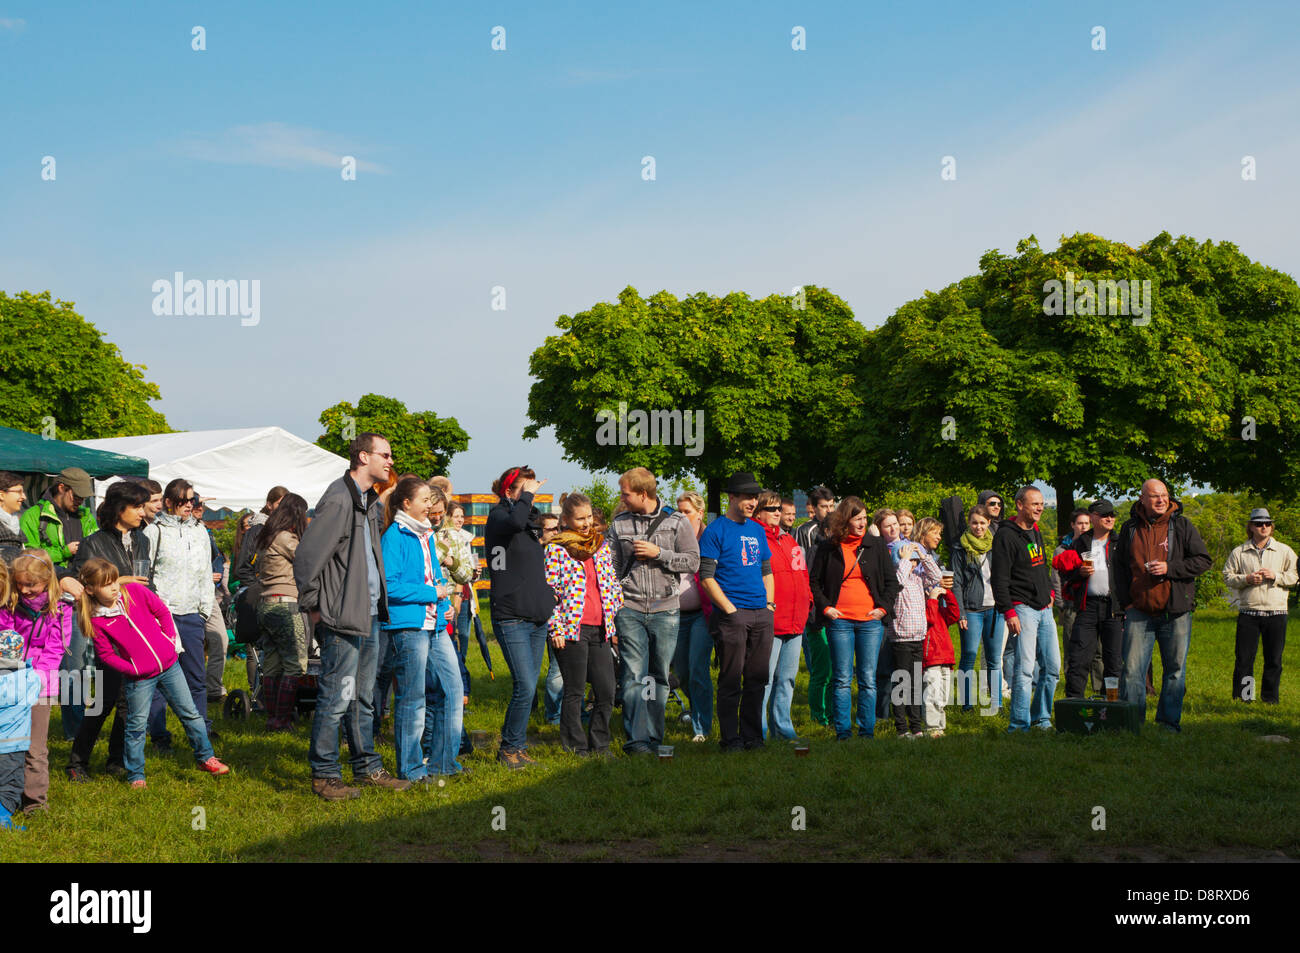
x=182, y=565
x=1270, y=595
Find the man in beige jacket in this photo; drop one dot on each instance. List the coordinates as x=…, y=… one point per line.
x=1258, y=574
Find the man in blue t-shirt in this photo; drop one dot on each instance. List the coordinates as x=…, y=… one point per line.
x=736, y=574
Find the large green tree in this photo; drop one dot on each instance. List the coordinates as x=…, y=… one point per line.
x=422, y=442
x=770, y=377
x=1025, y=372
x=56, y=364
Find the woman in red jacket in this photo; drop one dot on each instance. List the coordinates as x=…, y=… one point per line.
x=793, y=600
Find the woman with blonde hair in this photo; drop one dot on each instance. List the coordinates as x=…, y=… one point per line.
x=694, y=644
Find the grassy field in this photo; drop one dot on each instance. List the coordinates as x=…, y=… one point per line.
x=1215, y=792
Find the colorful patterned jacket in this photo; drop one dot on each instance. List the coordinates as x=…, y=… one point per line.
x=565, y=575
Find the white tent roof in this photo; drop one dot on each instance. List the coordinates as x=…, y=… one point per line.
x=234, y=467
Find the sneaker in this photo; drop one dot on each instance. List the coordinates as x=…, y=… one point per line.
x=138, y=784
x=937, y=733
x=512, y=760
x=213, y=766
x=333, y=789
x=78, y=774
x=905, y=735
x=382, y=779
x=698, y=738
x=116, y=770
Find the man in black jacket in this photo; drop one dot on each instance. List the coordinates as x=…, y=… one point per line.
x=1087, y=569
x=1158, y=556
x=1022, y=593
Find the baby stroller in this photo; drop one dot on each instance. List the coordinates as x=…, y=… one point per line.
x=241, y=624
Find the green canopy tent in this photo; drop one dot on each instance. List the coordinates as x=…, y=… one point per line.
x=25, y=452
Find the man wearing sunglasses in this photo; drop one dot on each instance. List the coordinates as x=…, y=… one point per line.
x=1258, y=574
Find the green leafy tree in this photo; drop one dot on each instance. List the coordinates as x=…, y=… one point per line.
x=771, y=378
x=603, y=494
x=58, y=365
x=422, y=443
x=977, y=384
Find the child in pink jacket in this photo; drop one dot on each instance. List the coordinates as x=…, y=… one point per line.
x=134, y=633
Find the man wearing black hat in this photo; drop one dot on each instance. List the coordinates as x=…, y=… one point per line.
x=1088, y=574
x=736, y=574
x=1258, y=574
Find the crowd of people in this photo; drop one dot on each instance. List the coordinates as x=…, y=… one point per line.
x=626, y=607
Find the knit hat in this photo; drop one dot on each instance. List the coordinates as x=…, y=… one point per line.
x=11, y=649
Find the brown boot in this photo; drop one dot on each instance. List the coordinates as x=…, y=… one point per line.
x=381, y=779
x=270, y=699
x=333, y=789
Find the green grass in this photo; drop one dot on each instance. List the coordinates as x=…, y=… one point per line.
x=1213, y=792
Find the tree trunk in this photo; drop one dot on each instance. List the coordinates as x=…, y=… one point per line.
x=714, y=490
x=1064, y=487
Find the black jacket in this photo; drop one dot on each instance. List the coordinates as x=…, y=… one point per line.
x=108, y=545
x=967, y=579
x=1187, y=559
x=1075, y=583
x=829, y=572
x=1021, y=573
x=516, y=563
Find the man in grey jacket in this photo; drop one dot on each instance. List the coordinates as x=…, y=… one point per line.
x=339, y=571
x=652, y=548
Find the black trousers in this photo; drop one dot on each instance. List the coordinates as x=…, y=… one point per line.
x=1250, y=629
x=109, y=693
x=907, y=672
x=1094, y=623
x=744, y=643
x=586, y=660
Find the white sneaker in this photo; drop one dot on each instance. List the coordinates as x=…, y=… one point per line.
x=699, y=738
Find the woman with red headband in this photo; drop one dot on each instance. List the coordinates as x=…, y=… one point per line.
x=521, y=601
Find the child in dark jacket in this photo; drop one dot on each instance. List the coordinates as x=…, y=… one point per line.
x=134, y=634
x=941, y=611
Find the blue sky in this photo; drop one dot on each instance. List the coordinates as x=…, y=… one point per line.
x=522, y=169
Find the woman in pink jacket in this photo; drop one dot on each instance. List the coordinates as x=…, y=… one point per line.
x=34, y=611
x=134, y=634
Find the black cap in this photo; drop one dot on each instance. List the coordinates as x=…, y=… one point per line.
x=743, y=482
x=1101, y=508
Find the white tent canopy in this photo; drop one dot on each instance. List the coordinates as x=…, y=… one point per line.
x=234, y=467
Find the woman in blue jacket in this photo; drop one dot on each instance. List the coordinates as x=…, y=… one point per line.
x=419, y=606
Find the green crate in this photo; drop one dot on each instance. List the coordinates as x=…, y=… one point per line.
x=1089, y=716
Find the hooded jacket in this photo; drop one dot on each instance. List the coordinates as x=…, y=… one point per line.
x=567, y=577
x=19, y=689
x=651, y=585
x=182, y=564
x=940, y=614
x=1184, y=551
x=331, y=568
x=790, y=581
x=45, y=637
x=43, y=529
x=1020, y=572
x=409, y=596
x=139, y=638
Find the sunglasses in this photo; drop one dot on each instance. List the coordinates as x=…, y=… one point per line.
x=1262, y=523
x=769, y=509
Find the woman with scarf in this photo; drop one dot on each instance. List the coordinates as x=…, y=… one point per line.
x=580, y=570
x=980, y=624
x=419, y=606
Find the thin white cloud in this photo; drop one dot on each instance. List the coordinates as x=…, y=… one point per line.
x=277, y=145
x=14, y=24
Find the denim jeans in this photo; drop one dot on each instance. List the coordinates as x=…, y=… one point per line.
x=1009, y=642
x=817, y=653
x=193, y=638
x=554, y=687
x=646, y=641
x=1038, y=668
x=691, y=662
x=465, y=621
x=984, y=630
x=444, y=709
x=411, y=658
x=1174, y=634
x=523, y=643
x=861, y=642
x=884, y=675
x=345, y=700
x=140, y=693
x=782, y=670
x=387, y=667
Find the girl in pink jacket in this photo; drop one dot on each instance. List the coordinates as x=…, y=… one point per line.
x=34, y=611
x=134, y=633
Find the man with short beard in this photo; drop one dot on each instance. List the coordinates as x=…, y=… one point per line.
x=1158, y=556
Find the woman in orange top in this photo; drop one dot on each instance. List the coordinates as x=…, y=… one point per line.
x=854, y=587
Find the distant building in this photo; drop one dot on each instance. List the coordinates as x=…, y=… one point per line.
x=477, y=506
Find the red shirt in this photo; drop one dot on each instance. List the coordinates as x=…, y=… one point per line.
x=592, y=613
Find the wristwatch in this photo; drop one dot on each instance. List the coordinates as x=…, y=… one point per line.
x=772, y=606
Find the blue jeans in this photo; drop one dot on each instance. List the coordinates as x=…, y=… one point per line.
x=1009, y=643
x=466, y=620
x=193, y=660
x=1174, y=633
x=782, y=669
x=646, y=641
x=691, y=662
x=554, y=687
x=861, y=641
x=443, y=705
x=986, y=629
x=387, y=656
x=345, y=699
x=1038, y=668
x=140, y=693
x=523, y=644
